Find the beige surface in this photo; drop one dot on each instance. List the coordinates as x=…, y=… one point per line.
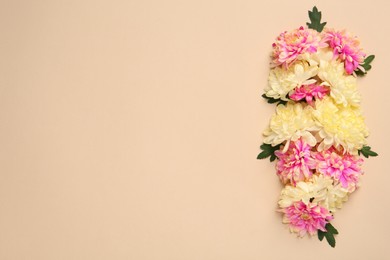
x=129, y=130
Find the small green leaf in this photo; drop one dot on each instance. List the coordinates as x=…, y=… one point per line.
x=367, y=152
x=330, y=228
x=369, y=59
x=331, y=240
x=329, y=234
x=263, y=155
x=315, y=20
x=266, y=147
x=268, y=151
x=271, y=100
x=321, y=235
x=360, y=73
x=366, y=65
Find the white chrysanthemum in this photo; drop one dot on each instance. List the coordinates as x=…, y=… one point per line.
x=282, y=81
x=319, y=190
x=340, y=126
x=343, y=87
x=314, y=59
x=291, y=122
x=304, y=191
x=279, y=83
x=335, y=198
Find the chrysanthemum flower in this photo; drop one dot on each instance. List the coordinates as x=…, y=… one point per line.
x=296, y=164
x=319, y=189
x=314, y=59
x=341, y=126
x=346, y=48
x=343, y=168
x=306, y=218
x=291, y=122
x=343, y=88
x=335, y=197
x=282, y=81
x=309, y=93
x=290, y=45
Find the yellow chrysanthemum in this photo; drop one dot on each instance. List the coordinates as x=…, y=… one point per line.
x=341, y=126
x=343, y=87
x=314, y=59
x=335, y=198
x=319, y=189
x=289, y=123
x=282, y=81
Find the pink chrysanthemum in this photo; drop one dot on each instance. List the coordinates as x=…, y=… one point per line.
x=346, y=48
x=296, y=163
x=308, y=218
x=289, y=45
x=344, y=168
x=309, y=92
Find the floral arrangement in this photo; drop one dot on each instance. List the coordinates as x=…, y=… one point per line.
x=317, y=135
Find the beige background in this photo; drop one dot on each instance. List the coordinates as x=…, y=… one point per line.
x=129, y=130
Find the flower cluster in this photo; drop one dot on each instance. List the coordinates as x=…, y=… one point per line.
x=317, y=134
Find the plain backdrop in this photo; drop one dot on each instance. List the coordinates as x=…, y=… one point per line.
x=130, y=130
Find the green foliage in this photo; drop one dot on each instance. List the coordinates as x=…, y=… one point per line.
x=329, y=234
x=366, y=65
x=315, y=20
x=367, y=152
x=271, y=100
x=268, y=151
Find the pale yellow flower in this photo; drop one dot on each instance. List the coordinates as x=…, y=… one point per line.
x=340, y=126
x=291, y=122
x=305, y=191
x=319, y=189
x=335, y=198
x=343, y=87
x=314, y=59
x=282, y=81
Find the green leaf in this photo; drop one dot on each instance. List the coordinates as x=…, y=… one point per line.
x=367, y=152
x=268, y=151
x=360, y=73
x=369, y=59
x=263, y=155
x=321, y=235
x=271, y=100
x=331, y=240
x=329, y=234
x=330, y=228
x=366, y=65
x=315, y=20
